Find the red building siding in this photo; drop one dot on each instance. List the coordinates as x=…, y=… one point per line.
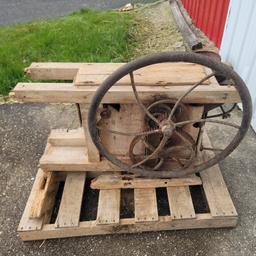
x=208, y=15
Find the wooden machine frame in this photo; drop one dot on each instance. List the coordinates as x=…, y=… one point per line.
x=71, y=157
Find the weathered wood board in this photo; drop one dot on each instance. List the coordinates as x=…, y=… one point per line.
x=70, y=205
x=159, y=74
x=161, y=80
x=113, y=181
x=68, y=93
x=95, y=73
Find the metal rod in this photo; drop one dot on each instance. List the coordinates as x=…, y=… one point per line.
x=79, y=114
x=139, y=101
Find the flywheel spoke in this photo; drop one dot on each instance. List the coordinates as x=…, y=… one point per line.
x=147, y=145
x=178, y=161
x=159, y=164
x=207, y=120
x=183, y=137
x=154, y=153
x=187, y=92
x=140, y=102
x=142, y=133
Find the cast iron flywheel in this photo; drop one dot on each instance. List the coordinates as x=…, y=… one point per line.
x=164, y=123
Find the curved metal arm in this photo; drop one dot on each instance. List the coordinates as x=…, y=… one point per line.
x=187, y=92
x=154, y=154
x=130, y=133
x=139, y=101
x=207, y=120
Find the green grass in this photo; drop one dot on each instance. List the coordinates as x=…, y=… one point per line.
x=85, y=36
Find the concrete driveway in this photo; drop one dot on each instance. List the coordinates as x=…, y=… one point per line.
x=15, y=11
x=23, y=133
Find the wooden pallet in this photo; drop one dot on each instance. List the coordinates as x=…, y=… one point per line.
x=38, y=223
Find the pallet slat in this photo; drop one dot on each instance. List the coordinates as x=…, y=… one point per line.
x=26, y=222
x=129, y=181
x=44, y=195
x=145, y=205
x=216, y=192
x=89, y=228
x=109, y=207
x=70, y=206
x=180, y=202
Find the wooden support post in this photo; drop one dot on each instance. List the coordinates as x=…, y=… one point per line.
x=93, y=153
x=216, y=192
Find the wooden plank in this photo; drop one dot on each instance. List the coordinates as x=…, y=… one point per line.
x=95, y=73
x=70, y=158
x=216, y=192
x=130, y=181
x=66, y=151
x=89, y=228
x=26, y=222
x=145, y=205
x=45, y=195
x=64, y=155
x=75, y=158
x=159, y=74
x=53, y=70
x=67, y=92
x=64, y=137
x=109, y=207
x=93, y=153
x=180, y=202
x=71, y=201
x=129, y=118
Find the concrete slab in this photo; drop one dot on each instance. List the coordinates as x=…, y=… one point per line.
x=23, y=133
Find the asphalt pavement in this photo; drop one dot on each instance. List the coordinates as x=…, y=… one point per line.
x=16, y=11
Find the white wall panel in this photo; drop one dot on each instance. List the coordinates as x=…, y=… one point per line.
x=239, y=44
